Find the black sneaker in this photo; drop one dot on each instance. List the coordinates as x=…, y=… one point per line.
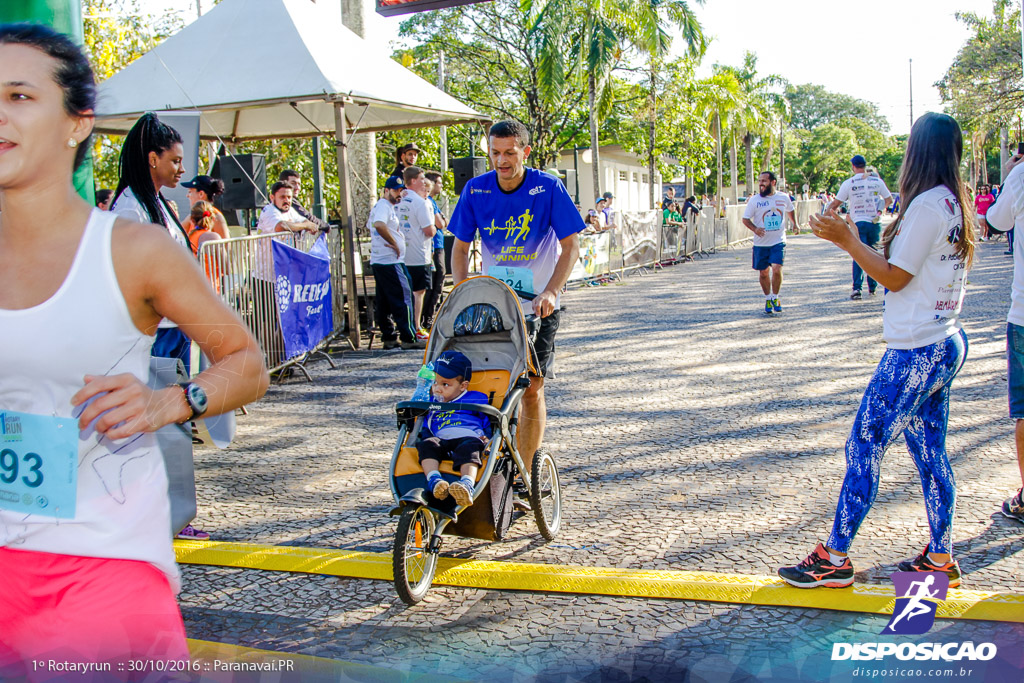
x=856, y=294
x=871, y=292
x=818, y=570
x=922, y=563
x=392, y=344
x=1013, y=507
x=406, y=346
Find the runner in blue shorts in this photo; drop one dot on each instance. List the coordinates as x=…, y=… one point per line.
x=765, y=216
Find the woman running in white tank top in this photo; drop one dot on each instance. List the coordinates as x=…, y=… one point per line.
x=87, y=566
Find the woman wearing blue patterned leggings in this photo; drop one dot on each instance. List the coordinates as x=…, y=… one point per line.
x=927, y=252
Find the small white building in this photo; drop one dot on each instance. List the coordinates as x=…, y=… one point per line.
x=623, y=173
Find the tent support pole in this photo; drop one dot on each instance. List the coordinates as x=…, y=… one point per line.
x=347, y=227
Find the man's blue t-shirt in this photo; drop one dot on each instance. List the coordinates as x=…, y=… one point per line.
x=439, y=235
x=519, y=230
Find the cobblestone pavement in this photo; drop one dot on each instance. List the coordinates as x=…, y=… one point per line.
x=691, y=432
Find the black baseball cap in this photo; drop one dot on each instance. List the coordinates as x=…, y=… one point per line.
x=452, y=364
x=204, y=183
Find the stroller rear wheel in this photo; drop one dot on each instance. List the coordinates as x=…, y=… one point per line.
x=412, y=563
x=546, y=494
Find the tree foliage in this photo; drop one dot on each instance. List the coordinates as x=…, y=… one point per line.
x=494, y=59
x=828, y=129
x=983, y=85
x=813, y=105
x=117, y=32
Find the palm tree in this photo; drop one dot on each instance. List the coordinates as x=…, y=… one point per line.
x=650, y=37
x=592, y=35
x=761, y=109
x=720, y=98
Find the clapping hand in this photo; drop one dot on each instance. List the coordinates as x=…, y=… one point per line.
x=835, y=229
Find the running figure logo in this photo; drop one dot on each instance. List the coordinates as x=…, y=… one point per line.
x=517, y=229
x=918, y=595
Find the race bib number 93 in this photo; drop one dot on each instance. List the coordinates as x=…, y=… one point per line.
x=38, y=464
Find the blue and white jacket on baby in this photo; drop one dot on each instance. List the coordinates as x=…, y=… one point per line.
x=458, y=424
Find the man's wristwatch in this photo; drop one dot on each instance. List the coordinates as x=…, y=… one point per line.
x=195, y=397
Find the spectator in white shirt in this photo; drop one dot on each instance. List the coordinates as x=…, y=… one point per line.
x=279, y=215
x=416, y=218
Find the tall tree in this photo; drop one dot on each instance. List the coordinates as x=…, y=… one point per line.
x=497, y=62
x=813, y=105
x=720, y=97
x=984, y=82
x=591, y=37
x=763, y=104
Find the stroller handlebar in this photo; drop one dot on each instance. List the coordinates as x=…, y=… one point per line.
x=409, y=410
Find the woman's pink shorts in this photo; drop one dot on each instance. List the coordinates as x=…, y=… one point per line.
x=84, y=609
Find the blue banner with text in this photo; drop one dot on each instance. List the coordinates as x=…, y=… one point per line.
x=303, y=285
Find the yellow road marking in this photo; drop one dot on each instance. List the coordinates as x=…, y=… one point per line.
x=643, y=583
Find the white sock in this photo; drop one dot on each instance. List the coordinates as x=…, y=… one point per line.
x=836, y=560
x=769, y=297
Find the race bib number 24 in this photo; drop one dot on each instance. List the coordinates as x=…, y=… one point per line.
x=38, y=464
x=516, y=278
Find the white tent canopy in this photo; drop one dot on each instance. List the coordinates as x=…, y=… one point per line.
x=248, y=64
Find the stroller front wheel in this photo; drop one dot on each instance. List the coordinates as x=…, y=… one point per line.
x=546, y=494
x=413, y=564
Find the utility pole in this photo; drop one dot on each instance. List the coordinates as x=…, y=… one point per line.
x=911, y=93
x=199, y=8
x=782, y=153
x=443, y=152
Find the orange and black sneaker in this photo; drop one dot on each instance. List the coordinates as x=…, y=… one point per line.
x=818, y=570
x=922, y=563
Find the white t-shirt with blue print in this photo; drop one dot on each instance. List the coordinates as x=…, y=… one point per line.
x=769, y=213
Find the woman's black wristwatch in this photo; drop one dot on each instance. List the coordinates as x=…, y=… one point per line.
x=195, y=397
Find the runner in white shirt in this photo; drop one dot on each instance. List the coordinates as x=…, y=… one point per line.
x=765, y=216
x=862, y=194
x=1004, y=215
x=927, y=253
x=416, y=218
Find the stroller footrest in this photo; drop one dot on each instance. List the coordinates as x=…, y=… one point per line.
x=420, y=497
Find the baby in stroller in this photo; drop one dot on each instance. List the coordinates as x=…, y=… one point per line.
x=456, y=435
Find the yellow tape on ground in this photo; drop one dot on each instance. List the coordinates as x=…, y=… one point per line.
x=216, y=660
x=641, y=583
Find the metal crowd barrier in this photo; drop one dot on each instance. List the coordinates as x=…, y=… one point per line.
x=241, y=270
x=642, y=241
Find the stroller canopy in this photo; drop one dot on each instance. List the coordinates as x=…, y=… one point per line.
x=482, y=318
